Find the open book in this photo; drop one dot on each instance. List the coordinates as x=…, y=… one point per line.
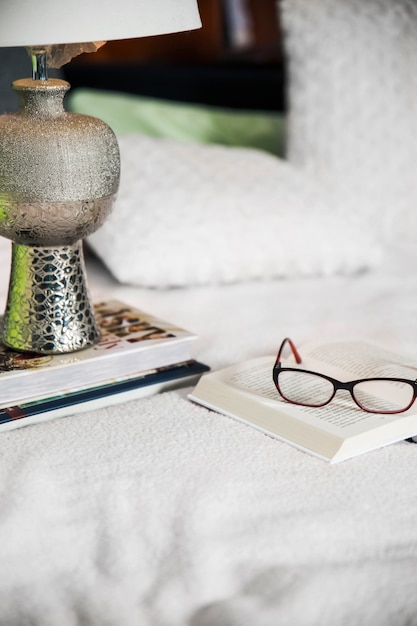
x=335, y=432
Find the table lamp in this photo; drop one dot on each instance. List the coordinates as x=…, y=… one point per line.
x=59, y=171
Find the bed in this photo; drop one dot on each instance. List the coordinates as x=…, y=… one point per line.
x=158, y=512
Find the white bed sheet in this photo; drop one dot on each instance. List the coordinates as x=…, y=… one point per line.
x=160, y=513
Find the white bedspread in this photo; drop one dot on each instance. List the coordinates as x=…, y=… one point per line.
x=160, y=513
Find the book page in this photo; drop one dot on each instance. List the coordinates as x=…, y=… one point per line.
x=341, y=417
x=350, y=360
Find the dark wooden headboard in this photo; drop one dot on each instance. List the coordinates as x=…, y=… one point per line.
x=207, y=66
x=210, y=65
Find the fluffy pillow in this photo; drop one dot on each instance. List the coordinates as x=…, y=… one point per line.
x=353, y=103
x=192, y=214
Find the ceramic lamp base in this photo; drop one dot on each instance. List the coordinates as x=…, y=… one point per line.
x=48, y=308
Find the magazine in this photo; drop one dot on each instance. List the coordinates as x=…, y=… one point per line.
x=80, y=401
x=132, y=341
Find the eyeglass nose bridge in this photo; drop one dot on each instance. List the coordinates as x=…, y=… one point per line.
x=341, y=386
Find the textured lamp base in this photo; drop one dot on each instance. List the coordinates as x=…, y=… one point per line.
x=48, y=309
x=59, y=175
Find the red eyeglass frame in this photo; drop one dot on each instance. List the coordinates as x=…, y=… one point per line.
x=337, y=384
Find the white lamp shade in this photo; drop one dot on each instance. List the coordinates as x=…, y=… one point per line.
x=44, y=22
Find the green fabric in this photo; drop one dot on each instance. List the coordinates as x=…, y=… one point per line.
x=126, y=114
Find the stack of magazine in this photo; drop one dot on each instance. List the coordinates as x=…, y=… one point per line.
x=137, y=355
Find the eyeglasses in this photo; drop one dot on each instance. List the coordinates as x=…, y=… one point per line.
x=312, y=389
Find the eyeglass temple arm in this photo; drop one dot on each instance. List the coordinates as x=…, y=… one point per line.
x=293, y=350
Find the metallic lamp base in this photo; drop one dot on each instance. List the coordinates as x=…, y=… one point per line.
x=48, y=309
x=59, y=175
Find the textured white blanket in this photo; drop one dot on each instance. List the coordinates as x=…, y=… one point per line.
x=160, y=513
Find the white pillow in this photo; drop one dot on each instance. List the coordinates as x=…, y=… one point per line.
x=352, y=93
x=190, y=214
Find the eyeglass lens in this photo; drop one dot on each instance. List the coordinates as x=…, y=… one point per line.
x=304, y=388
x=383, y=396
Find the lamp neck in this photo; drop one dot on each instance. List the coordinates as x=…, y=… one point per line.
x=42, y=99
x=38, y=57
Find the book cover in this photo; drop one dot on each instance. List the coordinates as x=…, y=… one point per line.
x=147, y=383
x=131, y=341
x=335, y=432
